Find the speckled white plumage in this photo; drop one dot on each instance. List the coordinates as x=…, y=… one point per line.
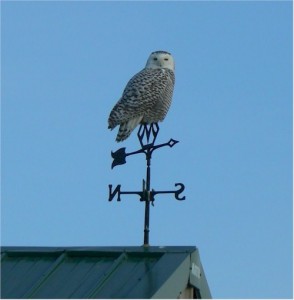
x=147, y=96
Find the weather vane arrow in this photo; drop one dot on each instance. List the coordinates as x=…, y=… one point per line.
x=119, y=156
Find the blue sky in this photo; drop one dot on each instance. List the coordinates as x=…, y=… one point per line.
x=64, y=66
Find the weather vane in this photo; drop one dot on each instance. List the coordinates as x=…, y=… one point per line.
x=147, y=136
x=146, y=100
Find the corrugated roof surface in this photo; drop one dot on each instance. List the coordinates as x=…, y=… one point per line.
x=100, y=272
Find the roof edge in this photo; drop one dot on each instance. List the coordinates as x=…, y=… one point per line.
x=127, y=249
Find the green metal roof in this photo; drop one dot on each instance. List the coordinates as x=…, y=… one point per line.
x=101, y=272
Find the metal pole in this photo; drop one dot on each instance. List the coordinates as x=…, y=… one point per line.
x=147, y=201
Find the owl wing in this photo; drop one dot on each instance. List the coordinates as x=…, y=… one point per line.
x=140, y=94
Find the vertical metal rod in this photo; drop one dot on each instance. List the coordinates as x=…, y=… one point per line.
x=147, y=201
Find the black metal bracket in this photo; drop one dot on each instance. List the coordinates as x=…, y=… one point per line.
x=147, y=135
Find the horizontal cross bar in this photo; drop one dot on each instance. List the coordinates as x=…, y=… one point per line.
x=145, y=195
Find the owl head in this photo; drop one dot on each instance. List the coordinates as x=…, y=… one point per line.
x=160, y=59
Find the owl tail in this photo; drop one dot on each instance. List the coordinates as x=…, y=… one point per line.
x=126, y=128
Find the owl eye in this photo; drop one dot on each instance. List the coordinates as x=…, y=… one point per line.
x=166, y=59
x=155, y=58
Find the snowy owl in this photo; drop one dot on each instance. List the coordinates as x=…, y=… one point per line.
x=147, y=96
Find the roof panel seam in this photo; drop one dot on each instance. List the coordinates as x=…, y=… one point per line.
x=107, y=275
x=45, y=276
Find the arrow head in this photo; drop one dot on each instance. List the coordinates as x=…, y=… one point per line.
x=172, y=142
